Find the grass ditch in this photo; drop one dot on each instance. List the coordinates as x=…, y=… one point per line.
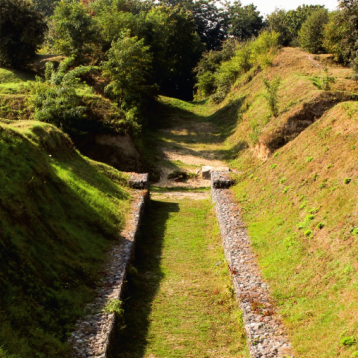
x=179, y=300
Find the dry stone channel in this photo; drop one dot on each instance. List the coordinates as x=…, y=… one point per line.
x=93, y=335
x=265, y=333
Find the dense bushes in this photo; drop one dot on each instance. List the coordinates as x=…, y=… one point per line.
x=216, y=73
x=22, y=31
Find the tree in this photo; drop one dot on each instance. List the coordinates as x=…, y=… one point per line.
x=311, y=35
x=128, y=69
x=176, y=49
x=73, y=31
x=22, y=31
x=245, y=22
x=277, y=21
x=334, y=33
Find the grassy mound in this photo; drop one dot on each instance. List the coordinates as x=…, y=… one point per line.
x=59, y=212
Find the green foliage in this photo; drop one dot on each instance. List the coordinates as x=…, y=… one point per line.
x=334, y=34
x=308, y=232
x=54, y=100
x=245, y=21
x=347, y=180
x=327, y=79
x=311, y=34
x=59, y=214
x=127, y=68
x=320, y=226
x=309, y=159
x=73, y=31
x=348, y=341
x=114, y=306
x=289, y=23
x=22, y=31
x=217, y=74
x=271, y=94
x=175, y=47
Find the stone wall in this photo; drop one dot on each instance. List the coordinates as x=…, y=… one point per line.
x=266, y=335
x=94, y=333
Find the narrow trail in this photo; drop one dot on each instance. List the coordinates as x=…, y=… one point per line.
x=188, y=142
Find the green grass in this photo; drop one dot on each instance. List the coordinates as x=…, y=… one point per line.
x=180, y=299
x=59, y=213
x=304, y=237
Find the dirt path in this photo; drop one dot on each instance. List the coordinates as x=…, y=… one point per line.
x=186, y=143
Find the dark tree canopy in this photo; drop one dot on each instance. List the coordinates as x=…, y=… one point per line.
x=22, y=31
x=244, y=22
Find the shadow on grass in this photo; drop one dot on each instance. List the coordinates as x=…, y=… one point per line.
x=143, y=282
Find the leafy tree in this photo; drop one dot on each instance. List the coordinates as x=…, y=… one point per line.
x=45, y=7
x=176, y=49
x=73, y=30
x=289, y=23
x=277, y=21
x=334, y=33
x=311, y=35
x=271, y=94
x=54, y=100
x=211, y=23
x=128, y=69
x=22, y=31
x=245, y=21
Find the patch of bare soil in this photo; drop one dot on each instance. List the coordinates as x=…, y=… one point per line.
x=189, y=144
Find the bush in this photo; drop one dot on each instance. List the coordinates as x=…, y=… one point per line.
x=264, y=48
x=311, y=35
x=55, y=100
x=22, y=31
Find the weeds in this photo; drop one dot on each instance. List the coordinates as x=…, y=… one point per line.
x=271, y=94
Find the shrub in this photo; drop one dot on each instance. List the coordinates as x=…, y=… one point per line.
x=348, y=341
x=311, y=35
x=271, y=94
x=22, y=31
x=347, y=180
x=55, y=100
x=264, y=48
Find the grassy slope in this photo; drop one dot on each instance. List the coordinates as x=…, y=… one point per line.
x=59, y=213
x=312, y=272
x=180, y=300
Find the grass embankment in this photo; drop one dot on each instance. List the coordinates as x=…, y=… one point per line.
x=59, y=212
x=301, y=210
x=300, y=202
x=180, y=301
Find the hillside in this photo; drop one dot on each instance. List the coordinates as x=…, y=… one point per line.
x=59, y=212
x=297, y=191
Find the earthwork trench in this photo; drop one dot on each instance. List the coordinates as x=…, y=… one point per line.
x=193, y=288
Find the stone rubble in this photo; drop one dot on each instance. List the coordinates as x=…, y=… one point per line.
x=265, y=332
x=93, y=333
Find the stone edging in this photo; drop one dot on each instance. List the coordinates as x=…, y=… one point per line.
x=266, y=336
x=93, y=333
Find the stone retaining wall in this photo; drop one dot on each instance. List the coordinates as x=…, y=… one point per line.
x=94, y=333
x=266, y=336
